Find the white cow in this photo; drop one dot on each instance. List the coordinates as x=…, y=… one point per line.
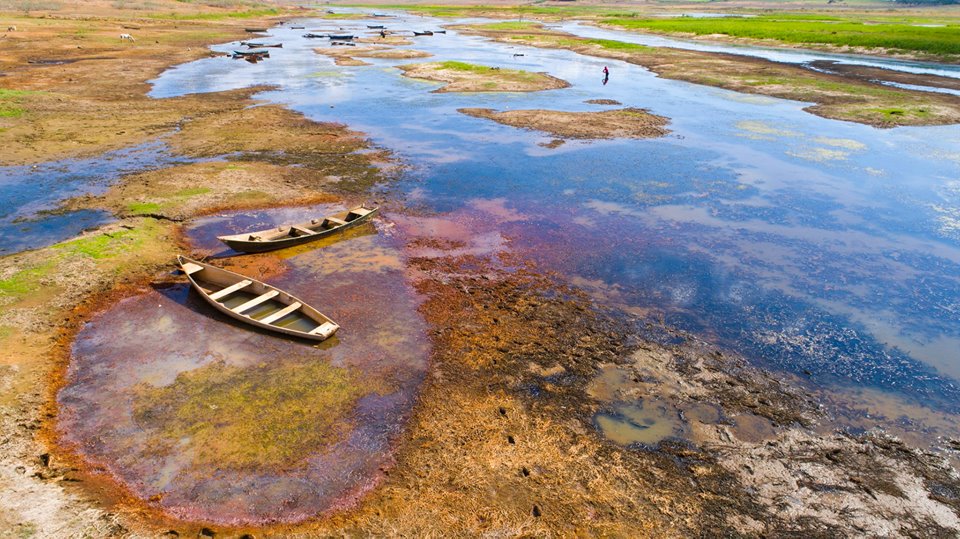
x=11, y=29
x=127, y=36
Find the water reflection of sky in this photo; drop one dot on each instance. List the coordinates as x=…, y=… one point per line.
x=31, y=194
x=816, y=245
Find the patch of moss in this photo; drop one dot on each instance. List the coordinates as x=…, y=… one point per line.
x=111, y=244
x=143, y=208
x=152, y=208
x=191, y=192
x=272, y=414
x=26, y=280
x=454, y=65
x=10, y=101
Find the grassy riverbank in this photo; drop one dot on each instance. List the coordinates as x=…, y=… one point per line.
x=895, y=37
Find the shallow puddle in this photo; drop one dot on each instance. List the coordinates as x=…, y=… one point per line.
x=213, y=420
x=646, y=422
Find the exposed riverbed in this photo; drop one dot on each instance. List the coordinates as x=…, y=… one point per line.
x=824, y=250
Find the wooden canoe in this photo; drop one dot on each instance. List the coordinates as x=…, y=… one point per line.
x=297, y=234
x=427, y=33
x=341, y=37
x=265, y=54
x=253, y=45
x=256, y=303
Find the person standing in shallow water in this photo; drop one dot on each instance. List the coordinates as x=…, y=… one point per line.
x=606, y=75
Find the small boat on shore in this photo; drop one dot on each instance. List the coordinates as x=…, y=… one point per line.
x=313, y=36
x=376, y=26
x=439, y=31
x=255, y=30
x=340, y=37
x=298, y=234
x=427, y=33
x=298, y=27
x=256, y=303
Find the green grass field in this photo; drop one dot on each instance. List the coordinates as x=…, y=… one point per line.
x=825, y=30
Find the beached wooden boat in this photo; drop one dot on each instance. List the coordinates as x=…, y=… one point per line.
x=256, y=303
x=255, y=30
x=311, y=35
x=300, y=233
x=427, y=33
x=341, y=37
x=375, y=26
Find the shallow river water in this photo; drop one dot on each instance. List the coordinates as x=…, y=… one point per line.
x=819, y=247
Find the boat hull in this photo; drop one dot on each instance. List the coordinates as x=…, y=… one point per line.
x=281, y=297
x=249, y=246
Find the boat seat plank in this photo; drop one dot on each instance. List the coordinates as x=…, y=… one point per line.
x=190, y=268
x=281, y=313
x=216, y=296
x=256, y=301
x=323, y=328
x=360, y=211
x=335, y=221
x=304, y=231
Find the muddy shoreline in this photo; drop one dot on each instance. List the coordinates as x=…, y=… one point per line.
x=505, y=436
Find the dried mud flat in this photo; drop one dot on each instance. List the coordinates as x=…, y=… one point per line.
x=473, y=78
x=622, y=123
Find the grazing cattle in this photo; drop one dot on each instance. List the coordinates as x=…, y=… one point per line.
x=127, y=36
x=11, y=29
